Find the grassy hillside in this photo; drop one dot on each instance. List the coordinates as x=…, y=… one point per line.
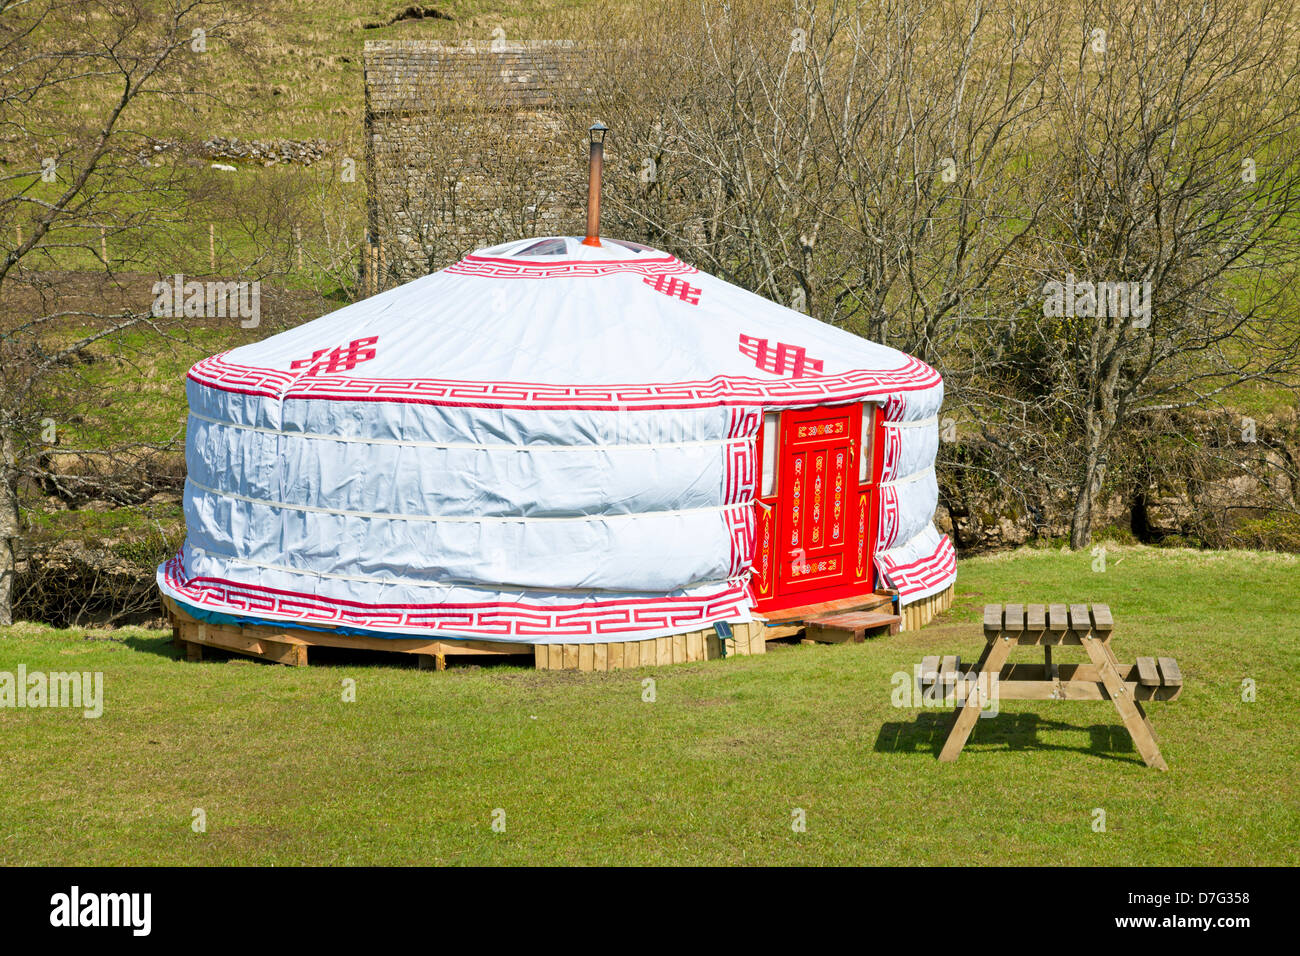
x=308, y=77
x=711, y=772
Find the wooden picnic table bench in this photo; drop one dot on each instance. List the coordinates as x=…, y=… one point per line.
x=1048, y=626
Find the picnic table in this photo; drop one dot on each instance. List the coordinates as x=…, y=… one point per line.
x=1048, y=626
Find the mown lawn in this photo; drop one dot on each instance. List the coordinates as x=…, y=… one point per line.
x=711, y=772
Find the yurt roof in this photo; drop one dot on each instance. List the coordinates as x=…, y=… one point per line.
x=551, y=322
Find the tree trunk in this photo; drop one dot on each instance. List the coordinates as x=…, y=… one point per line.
x=1089, y=486
x=8, y=526
x=1081, y=518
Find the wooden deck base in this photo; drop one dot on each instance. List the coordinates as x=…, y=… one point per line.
x=703, y=645
x=916, y=616
x=290, y=646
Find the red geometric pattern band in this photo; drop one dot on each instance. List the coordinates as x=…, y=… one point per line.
x=924, y=573
x=515, y=269
x=500, y=620
x=216, y=372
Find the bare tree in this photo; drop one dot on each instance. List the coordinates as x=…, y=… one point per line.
x=919, y=172
x=723, y=129
x=864, y=161
x=80, y=83
x=941, y=194
x=1163, y=279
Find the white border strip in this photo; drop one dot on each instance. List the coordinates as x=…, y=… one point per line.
x=912, y=540
x=908, y=479
x=459, y=519
x=316, y=436
x=919, y=423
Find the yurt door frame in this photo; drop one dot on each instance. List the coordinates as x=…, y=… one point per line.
x=816, y=506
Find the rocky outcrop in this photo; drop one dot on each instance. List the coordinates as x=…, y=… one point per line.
x=1221, y=485
x=71, y=582
x=413, y=12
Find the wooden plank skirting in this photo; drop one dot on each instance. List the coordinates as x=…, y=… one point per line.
x=290, y=645
x=916, y=616
x=703, y=645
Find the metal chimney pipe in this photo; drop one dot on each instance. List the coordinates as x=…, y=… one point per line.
x=597, y=133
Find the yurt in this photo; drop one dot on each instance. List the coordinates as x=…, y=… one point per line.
x=580, y=448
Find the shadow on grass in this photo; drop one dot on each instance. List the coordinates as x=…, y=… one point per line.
x=325, y=656
x=160, y=645
x=1005, y=732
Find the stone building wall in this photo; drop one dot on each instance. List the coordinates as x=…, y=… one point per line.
x=468, y=146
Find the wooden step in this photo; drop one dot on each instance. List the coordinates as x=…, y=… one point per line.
x=852, y=626
x=807, y=613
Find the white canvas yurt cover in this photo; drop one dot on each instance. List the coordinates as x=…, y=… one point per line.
x=545, y=442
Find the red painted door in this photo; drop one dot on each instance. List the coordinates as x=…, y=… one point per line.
x=813, y=538
x=817, y=510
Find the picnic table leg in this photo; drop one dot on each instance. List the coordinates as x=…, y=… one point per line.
x=984, y=656
x=991, y=661
x=1130, y=711
x=1110, y=653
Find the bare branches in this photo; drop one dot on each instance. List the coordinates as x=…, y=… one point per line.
x=919, y=173
x=76, y=78
x=1170, y=166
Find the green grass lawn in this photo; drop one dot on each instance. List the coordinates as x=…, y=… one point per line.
x=711, y=772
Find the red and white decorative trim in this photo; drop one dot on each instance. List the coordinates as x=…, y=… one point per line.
x=924, y=575
x=495, y=268
x=740, y=524
x=739, y=472
x=741, y=478
x=893, y=454
x=894, y=407
x=889, y=518
x=781, y=359
x=504, y=621
x=743, y=423
x=216, y=372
